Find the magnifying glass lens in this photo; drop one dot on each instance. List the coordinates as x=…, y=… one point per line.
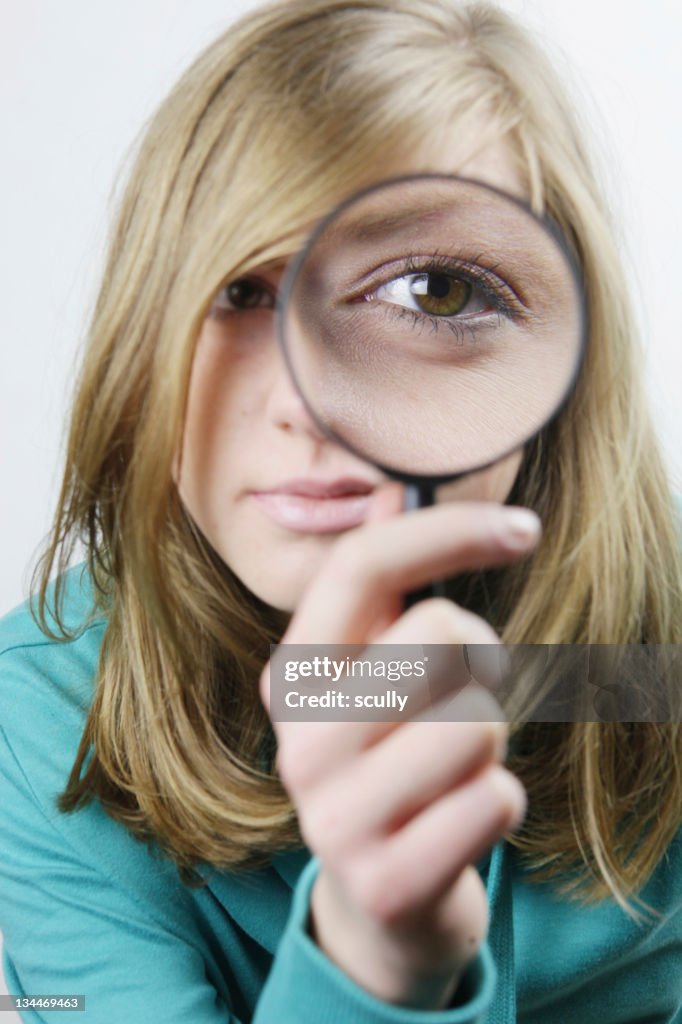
x=433, y=325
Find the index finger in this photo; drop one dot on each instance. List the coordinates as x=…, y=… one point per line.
x=379, y=562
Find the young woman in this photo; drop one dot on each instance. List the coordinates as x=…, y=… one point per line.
x=166, y=852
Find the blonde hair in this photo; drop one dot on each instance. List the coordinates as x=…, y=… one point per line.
x=287, y=112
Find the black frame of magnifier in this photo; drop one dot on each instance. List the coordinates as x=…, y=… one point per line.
x=421, y=487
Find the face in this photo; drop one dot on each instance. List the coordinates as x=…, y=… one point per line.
x=266, y=488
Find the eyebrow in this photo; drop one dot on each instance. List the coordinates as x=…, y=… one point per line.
x=367, y=229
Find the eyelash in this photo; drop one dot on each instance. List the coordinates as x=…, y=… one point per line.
x=497, y=292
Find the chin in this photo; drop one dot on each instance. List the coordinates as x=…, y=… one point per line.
x=282, y=599
x=281, y=588
x=282, y=573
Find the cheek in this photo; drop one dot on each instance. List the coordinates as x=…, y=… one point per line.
x=492, y=484
x=225, y=373
x=226, y=391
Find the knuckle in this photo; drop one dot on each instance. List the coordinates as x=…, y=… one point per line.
x=446, y=740
x=441, y=615
x=507, y=791
x=475, y=704
x=451, y=622
x=486, y=740
x=478, y=631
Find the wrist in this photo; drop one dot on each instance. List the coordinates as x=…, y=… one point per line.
x=377, y=965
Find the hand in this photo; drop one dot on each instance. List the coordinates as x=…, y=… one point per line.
x=398, y=812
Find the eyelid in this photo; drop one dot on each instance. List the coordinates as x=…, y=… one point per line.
x=477, y=274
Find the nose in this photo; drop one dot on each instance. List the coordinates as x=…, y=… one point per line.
x=286, y=409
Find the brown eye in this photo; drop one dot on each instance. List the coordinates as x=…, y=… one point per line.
x=440, y=294
x=244, y=293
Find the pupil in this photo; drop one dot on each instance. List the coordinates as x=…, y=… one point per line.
x=439, y=286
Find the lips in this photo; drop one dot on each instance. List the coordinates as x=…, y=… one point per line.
x=316, y=506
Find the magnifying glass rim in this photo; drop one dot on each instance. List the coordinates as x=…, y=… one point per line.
x=291, y=275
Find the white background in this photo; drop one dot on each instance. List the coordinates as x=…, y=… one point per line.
x=78, y=79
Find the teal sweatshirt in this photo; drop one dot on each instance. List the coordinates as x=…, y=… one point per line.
x=86, y=909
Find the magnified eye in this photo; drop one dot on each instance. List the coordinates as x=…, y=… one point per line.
x=435, y=293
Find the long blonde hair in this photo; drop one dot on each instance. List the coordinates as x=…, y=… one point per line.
x=287, y=112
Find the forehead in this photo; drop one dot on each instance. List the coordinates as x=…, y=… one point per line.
x=474, y=149
x=493, y=162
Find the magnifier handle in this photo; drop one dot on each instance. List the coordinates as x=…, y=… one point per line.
x=421, y=496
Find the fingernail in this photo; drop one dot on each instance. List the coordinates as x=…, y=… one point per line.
x=521, y=528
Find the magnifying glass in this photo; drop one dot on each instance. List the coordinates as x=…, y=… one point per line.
x=433, y=325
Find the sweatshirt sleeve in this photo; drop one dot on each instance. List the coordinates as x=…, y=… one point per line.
x=305, y=987
x=71, y=930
